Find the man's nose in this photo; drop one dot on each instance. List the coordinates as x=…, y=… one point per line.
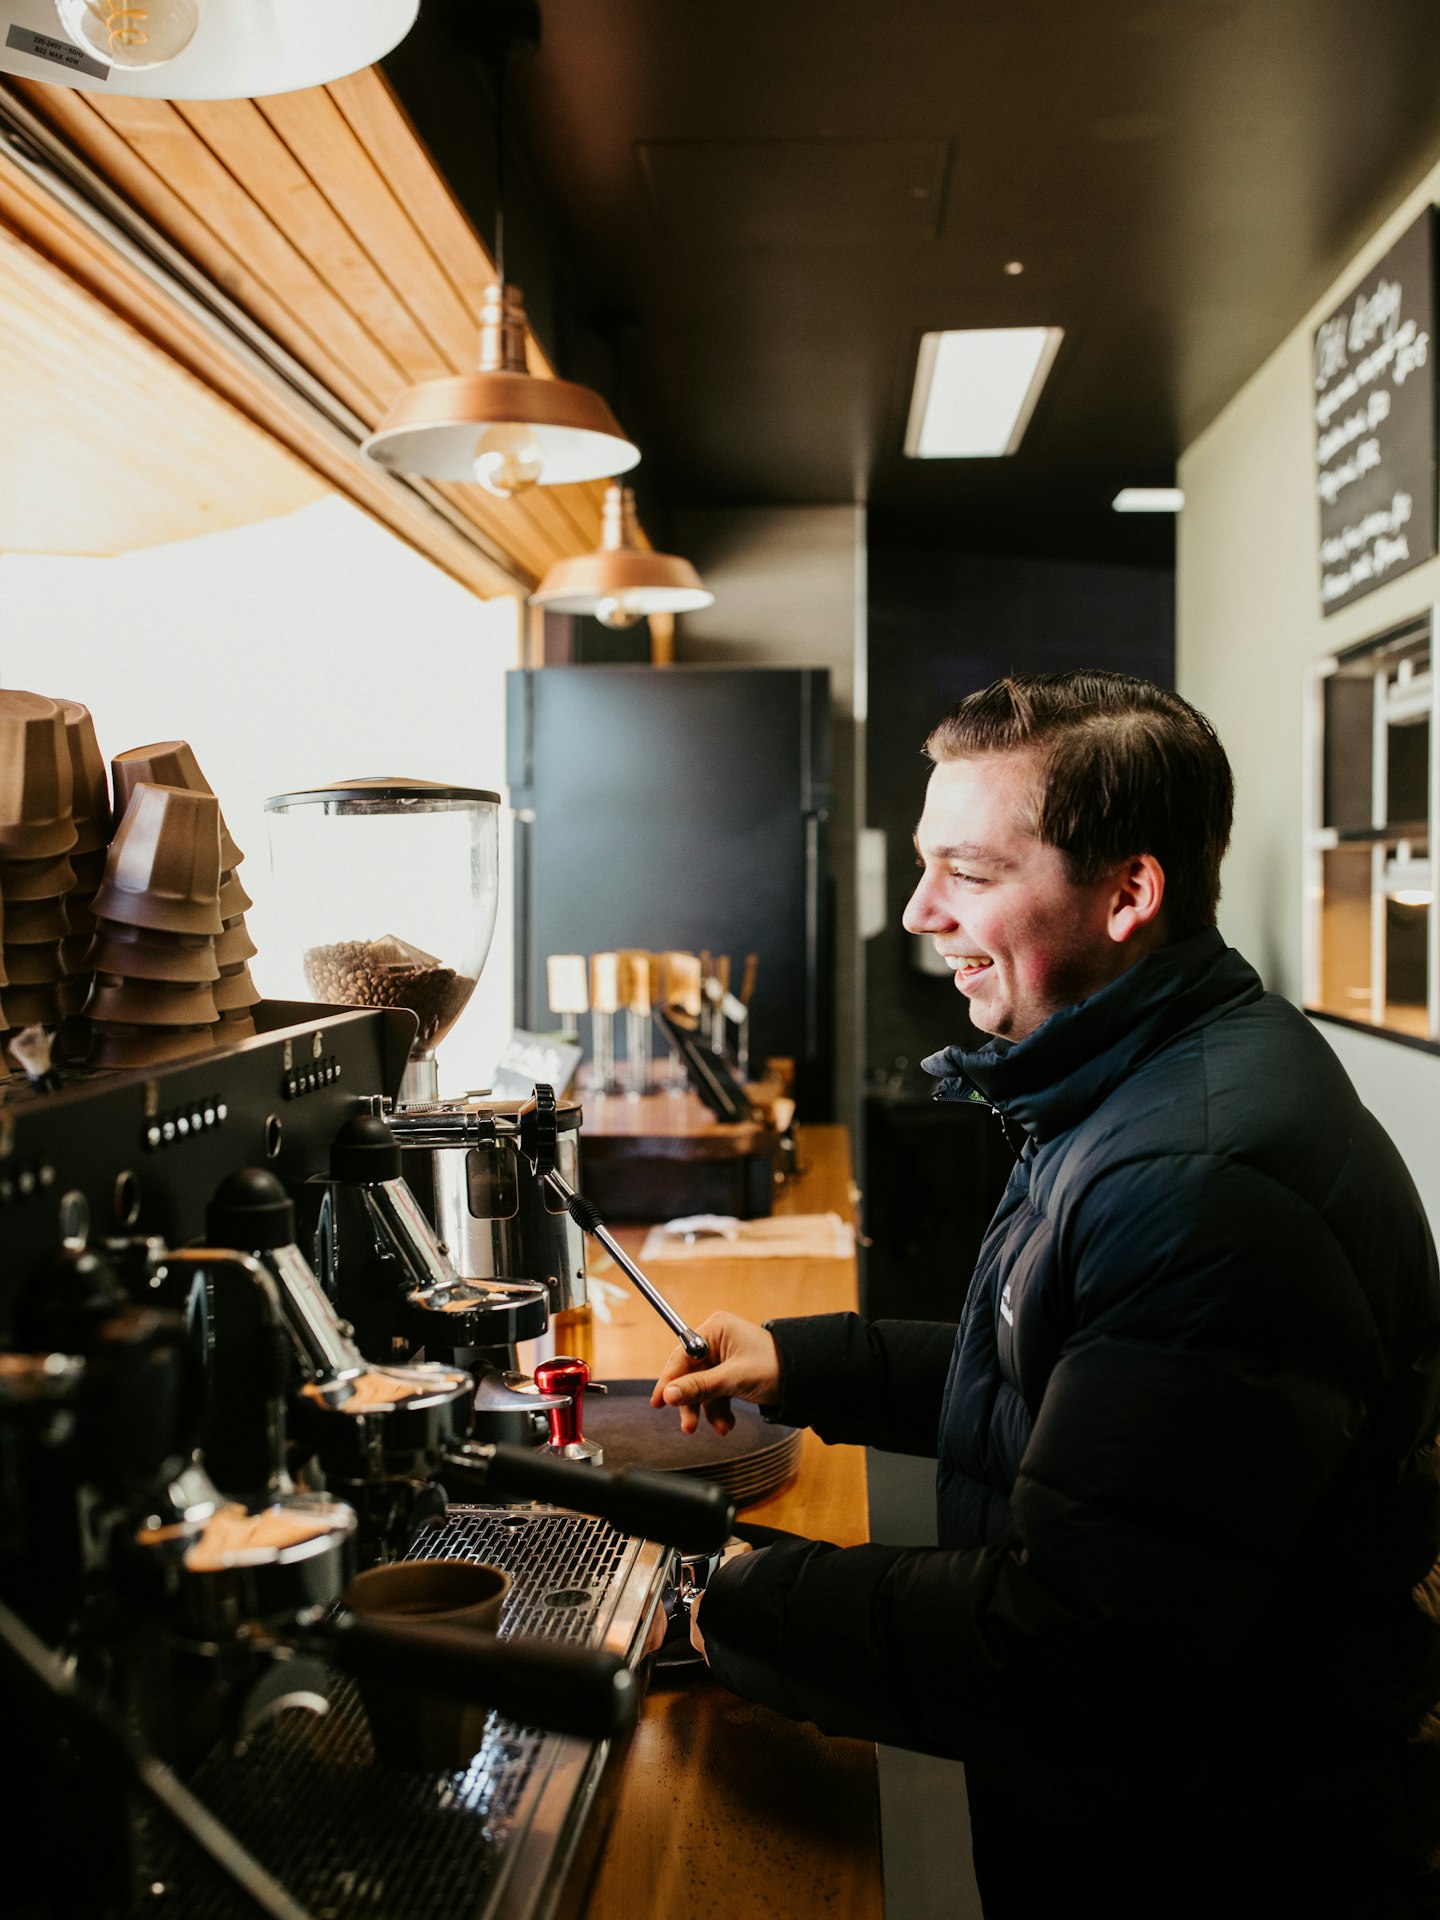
x=925, y=912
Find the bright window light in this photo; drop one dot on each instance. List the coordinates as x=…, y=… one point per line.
x=1148, y=500
x=975, y=390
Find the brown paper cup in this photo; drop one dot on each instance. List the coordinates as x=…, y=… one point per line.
x=234, y=900
x=32, y=1006
x=424, y=1732
x=45, y=879
x=150, y=1003
x=234, y=945
x=34, y=966
x=169, y=763
x=90, y=799
x=235, y=990
x=164, y=865
x=80, y=914
x=113, y=1045
x=89, y=867
x=234, y=1026
x=26, y=921
x=181, y=958
x=36, y=782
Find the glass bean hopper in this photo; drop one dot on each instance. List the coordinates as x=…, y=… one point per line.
x=388, y=888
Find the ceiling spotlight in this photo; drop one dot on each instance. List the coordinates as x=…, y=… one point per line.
x=976, y=388
x=1148, y=500
x=1014, y=267
x=622, y=581
x=197, y=49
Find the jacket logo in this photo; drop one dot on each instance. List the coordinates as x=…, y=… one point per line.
x=1005, y=1314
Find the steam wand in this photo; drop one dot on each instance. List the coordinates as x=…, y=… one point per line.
x=586, y=1215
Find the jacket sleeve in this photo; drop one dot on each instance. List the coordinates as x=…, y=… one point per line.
x=1210, y=1385
x=873, y=1383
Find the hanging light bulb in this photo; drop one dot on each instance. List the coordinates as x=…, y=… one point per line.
x=622, y=582
x=508, y=460
x=136, y=37
x=617, y=612
x=197, y=49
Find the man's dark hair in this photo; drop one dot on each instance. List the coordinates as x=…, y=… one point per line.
x=1127, y=769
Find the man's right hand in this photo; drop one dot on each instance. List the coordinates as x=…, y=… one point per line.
x=744, y=1364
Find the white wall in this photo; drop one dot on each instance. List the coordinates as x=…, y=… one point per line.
x=1248, y=622
x=305, y=649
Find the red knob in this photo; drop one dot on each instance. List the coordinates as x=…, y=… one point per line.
x=564, y=1375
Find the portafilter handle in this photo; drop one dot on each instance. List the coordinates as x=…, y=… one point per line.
x=693, y=1515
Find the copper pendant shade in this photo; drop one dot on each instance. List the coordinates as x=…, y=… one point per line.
x=621, y=582
x=535, y=432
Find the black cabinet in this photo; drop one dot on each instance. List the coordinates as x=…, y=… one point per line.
x=681, y=808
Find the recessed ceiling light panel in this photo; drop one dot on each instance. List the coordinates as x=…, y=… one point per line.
x=975, y=390
x=1148, y=500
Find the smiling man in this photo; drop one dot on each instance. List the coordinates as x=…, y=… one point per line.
x=1182, y=1622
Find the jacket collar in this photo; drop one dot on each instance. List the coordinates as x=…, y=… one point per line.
x=1051, y=1079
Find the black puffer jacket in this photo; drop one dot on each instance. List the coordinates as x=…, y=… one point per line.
x=1181, y=1619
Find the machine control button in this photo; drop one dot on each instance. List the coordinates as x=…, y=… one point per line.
x=152, y=1136
x=311, y=1079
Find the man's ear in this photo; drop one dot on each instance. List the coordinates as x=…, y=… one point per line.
x=1138, y=895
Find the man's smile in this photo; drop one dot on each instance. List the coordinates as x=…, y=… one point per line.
x=966, y=965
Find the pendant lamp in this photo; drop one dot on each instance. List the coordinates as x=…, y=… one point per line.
x=621, y=582
x=499, y=426
x=197, y=49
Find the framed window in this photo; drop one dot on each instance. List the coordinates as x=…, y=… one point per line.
x=1372, y=932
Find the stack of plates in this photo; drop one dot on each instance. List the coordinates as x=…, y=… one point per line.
x=753, y=1461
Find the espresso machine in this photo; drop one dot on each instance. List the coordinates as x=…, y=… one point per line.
x=238, y=1361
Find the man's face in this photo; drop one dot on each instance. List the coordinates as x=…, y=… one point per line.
x=1022, y=938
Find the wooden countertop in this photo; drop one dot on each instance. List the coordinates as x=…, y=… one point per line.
x=724, y=1804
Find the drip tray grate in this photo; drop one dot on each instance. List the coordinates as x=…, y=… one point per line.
x=352, y=1841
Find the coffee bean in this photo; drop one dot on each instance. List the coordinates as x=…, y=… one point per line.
x=364, y=973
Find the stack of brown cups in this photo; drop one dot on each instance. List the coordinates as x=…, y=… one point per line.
x=36, y=836
x=172, y=763
x=157, y=916
x=91, y=812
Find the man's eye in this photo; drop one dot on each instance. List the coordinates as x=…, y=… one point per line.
x=970, y=879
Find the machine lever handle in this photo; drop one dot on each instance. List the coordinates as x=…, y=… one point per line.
x=694, y=1515
x=584, y=1213
x=539, y=1683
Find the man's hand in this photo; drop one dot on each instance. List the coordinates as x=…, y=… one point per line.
x=744, y=1365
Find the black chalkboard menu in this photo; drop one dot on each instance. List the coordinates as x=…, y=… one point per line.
x=1374, y=368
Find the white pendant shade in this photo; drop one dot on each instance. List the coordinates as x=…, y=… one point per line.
x=436, y=434
x=622, y=582
x=242, y=49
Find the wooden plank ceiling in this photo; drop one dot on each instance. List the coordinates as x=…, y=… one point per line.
x=83, y=392
x=322, y=214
